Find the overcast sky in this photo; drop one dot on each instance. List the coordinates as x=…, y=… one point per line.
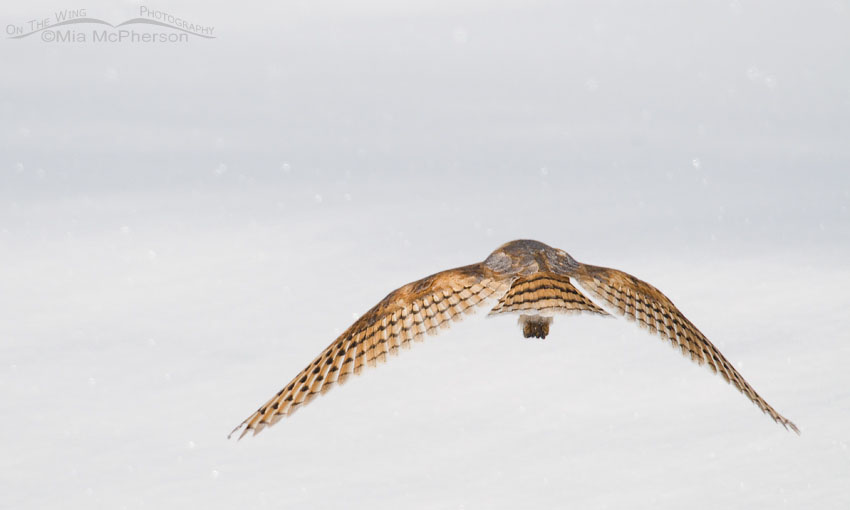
x=184, y=224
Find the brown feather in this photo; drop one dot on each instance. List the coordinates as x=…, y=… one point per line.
x=529, y=278
x=406, y=314
x=641, y=302
x=545, y=292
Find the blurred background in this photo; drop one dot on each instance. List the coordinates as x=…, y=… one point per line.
x=184, y=225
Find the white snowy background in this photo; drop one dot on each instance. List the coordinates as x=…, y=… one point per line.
x=184, y=226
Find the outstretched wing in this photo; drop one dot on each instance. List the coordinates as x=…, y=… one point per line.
x=406, y=314
x=640, y=301
x=545, y=292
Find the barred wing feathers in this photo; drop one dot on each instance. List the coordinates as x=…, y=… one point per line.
x=404, y=316
x=641, y=302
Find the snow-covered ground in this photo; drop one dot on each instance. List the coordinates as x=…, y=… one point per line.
x=183, y=227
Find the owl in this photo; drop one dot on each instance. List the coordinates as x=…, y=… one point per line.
x=527, y=278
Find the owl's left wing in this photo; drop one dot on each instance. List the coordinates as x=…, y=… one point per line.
x=405, y=315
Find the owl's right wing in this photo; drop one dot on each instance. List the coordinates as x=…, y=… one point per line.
x=405, y=315
x=639, y=301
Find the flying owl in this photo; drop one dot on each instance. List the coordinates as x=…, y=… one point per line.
x=527, y=278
